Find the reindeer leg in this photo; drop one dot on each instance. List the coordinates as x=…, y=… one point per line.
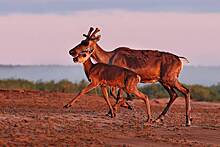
x=173, y=96
x=105, y=94
x=129, y=96
x=144, y=98
x=85, y=90
x=113, y=93
x=122, y=101
x=186, y=93
x=146, y=101
x=117, y=98
x=131, y=87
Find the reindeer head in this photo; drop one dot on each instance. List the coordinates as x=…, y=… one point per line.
x=83, y=56
x=85, y=45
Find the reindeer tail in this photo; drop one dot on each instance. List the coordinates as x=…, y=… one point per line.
x=184, y=59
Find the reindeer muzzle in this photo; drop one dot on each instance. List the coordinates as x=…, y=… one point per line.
x=75, y=59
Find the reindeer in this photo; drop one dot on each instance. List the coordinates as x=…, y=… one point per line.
x=104, y=75
x=151, y=65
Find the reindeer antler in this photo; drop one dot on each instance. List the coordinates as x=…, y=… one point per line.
x=93, y=34
x=89, y=33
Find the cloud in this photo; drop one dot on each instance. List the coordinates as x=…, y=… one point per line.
x=46, y=39
x=67, y=6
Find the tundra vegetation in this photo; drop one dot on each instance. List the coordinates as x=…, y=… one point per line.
x=198, y=92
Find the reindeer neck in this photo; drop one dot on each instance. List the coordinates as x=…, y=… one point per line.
x=88, y=66
x=101, y=56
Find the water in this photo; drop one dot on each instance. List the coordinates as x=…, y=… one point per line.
x=43, y=73
x=189, y=75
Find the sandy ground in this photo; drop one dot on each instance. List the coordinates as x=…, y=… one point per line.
x=34, y=118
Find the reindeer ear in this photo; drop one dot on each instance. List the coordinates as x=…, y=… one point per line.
x=97, y=38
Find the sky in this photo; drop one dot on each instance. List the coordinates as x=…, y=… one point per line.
x=43, y=31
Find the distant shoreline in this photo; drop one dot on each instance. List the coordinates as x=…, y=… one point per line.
x=37, y=65
x=69, y=65
x=203, y=75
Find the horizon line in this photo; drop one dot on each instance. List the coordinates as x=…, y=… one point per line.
x=14, y=65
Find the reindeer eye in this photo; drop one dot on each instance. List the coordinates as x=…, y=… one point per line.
x=84, y=55
x=85, y=42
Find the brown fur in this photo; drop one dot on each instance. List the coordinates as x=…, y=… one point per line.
x=151, y=65
x=104, y=75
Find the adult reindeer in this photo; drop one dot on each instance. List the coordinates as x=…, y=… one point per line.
x=151, y=65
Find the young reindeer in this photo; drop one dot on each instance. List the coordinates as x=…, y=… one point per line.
x=105, y=75
x=85, y=43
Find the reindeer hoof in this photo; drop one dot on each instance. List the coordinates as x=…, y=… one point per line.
x=188, y=124
x=158, y=120
x=113, y=115
x=109, y=114
x=155, y=121
x=149, y=120
x=126, y=105
x=129, y=107
x=67, y=106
